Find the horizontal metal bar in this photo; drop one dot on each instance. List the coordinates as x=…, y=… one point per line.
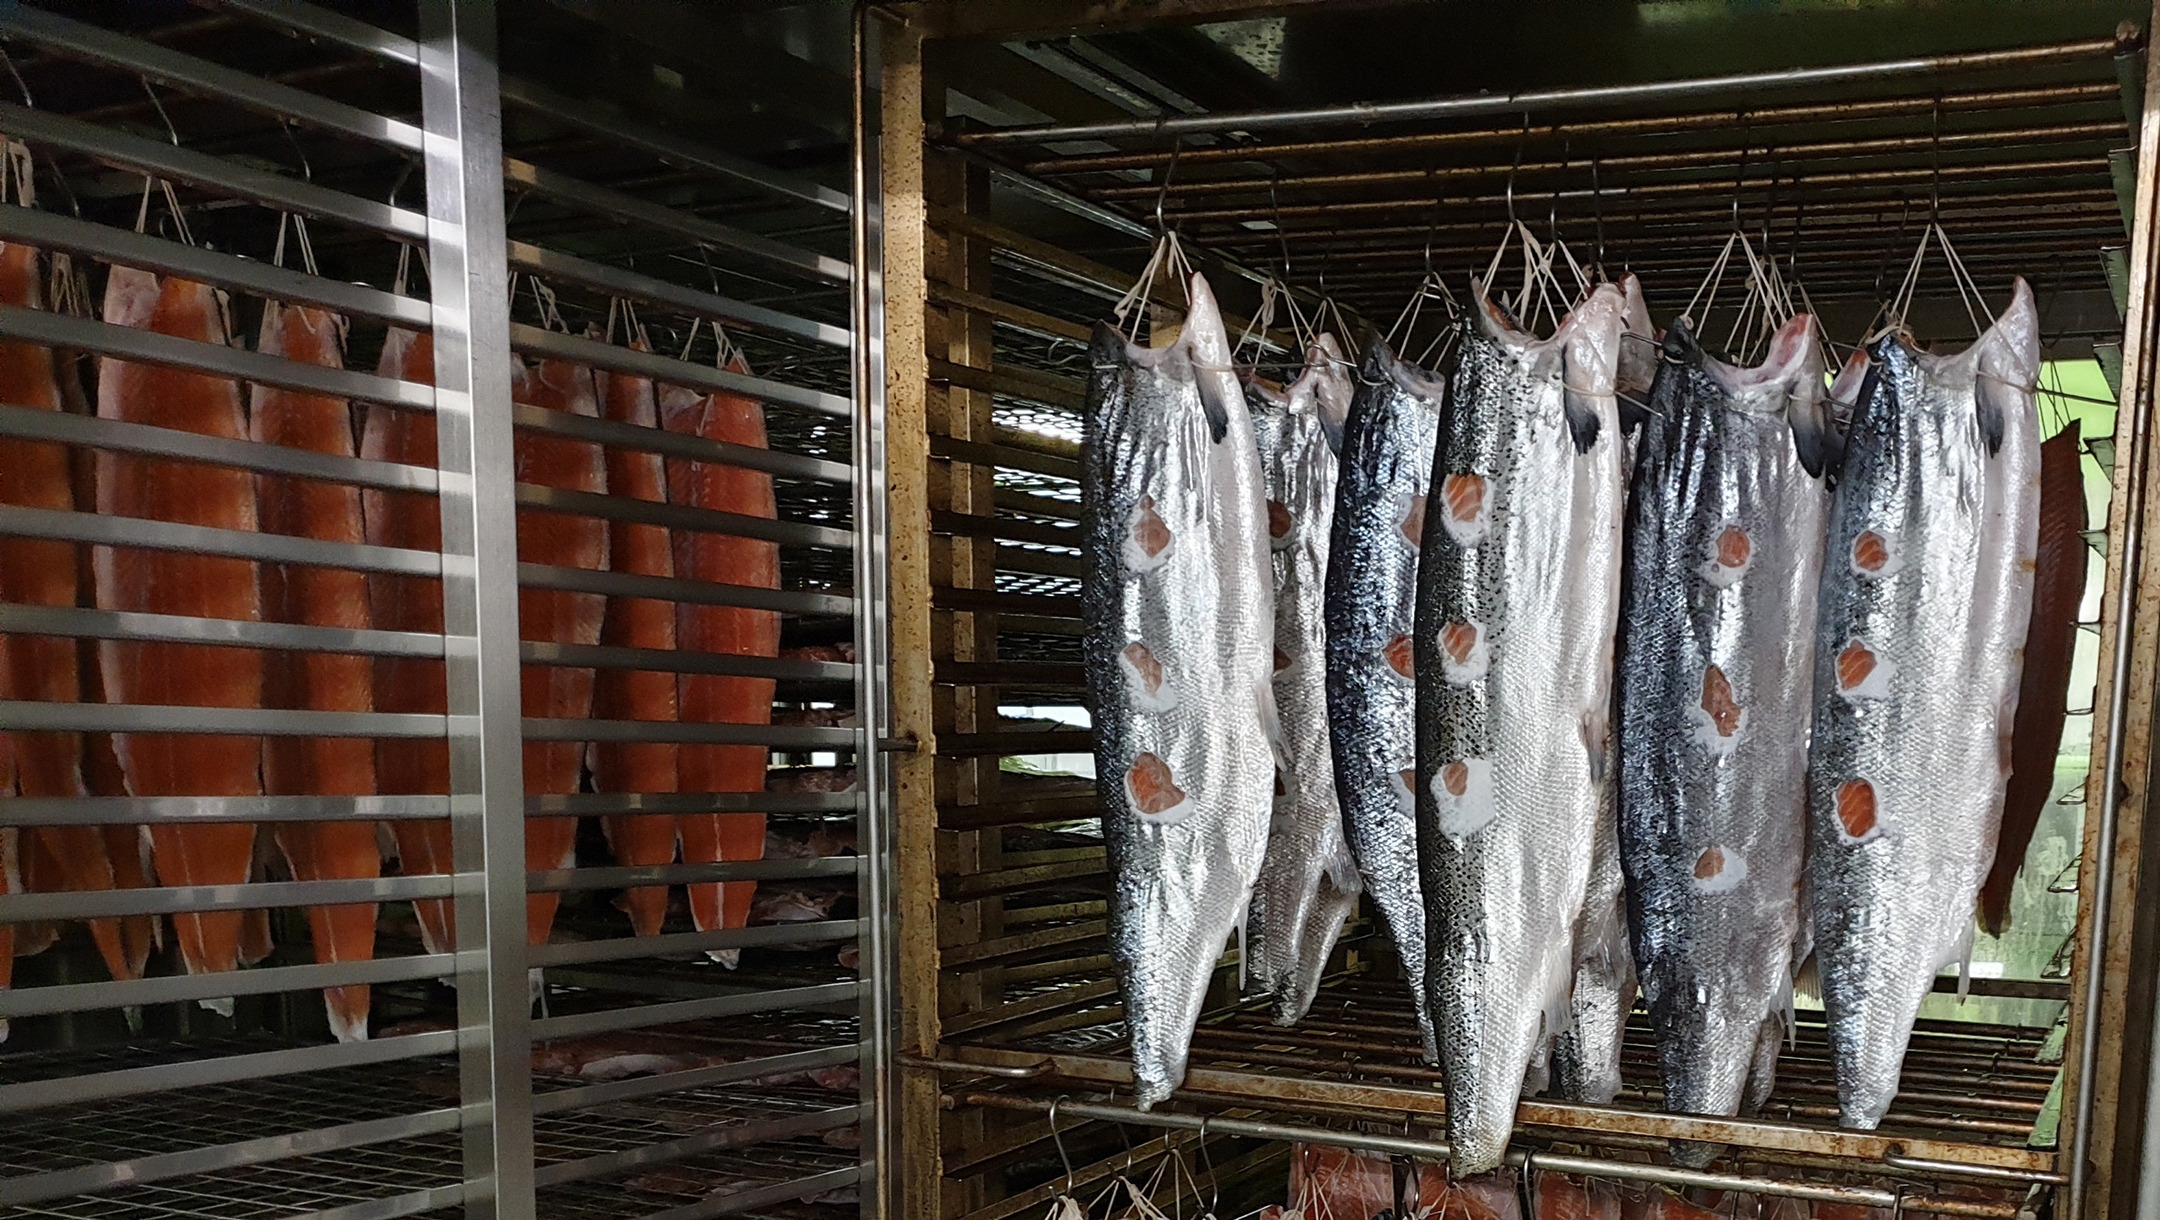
x=679, y=445
x=149, y=347
x=214, y=174
x=559, y=1100
x=183, y=988
x=118, y=436
x=667, y=146
x=327, y=26
x=734, y=1201
x=612, y=1019
x=682, y=517
x=673, y=589
x=55, y=231
x=617, y=282
x=61, y=526
x=1365, y=114
x=623, y=877
x=583, y=804
x=585, y=953
x=599, y=200
x=87, y=1179
x=186, y=629
x=222, y=1069
x=680, y=732
x=33, y=717
x=394, y=1207
x=1985, y=1173
x=734, y=1133
x=537, y=340
x=76, y=40
x=172, y=899
x=671, y=660
x=156, y=810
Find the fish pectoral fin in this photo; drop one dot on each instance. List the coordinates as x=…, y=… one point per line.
x=1582, y=417
x=1814, y=433
x=1993, y=401
x=1596, y=728
x=1271, y=725
x=1214, y=404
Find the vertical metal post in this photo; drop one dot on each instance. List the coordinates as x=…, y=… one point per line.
x=461, y=110
x=872, y=810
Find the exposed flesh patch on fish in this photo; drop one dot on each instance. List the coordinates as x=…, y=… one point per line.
x=1506, y=875
x=1308, y=880
x=1942, y=464
x=1716, y=669
x=1186, y=817
x=1381, y=492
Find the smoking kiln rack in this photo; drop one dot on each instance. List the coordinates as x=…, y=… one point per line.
x=1007, y=243
x=394, y=126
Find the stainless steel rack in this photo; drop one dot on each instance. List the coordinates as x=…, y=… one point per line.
x=402, y=139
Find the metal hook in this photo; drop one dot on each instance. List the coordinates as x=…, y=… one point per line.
x=1740, y=181
x=1516, y=167
x=1058, y=1139
x=159, y=106
x=1281, y=238
x=1597, y=213
x=1207, y=1162
x=1552, y=201
x=1177, y=145
x=1432, y=231
x=19, y=83
x=1935, y=160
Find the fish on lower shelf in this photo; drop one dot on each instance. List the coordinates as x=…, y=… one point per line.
x=1178, y=599
x=1927, y=588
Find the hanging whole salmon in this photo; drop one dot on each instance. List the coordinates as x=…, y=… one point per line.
x=1926, y=595
x=182, y=583
x=1308, y=881
x=36, y=572
x=412, y=520
x=636, y=622
x=1716, y=668
x=716, y=558
x=2044, y=687
x=1377, y=528
x=1178, y=599
x=560, y=692
x=319, y=681
x=1517, y=591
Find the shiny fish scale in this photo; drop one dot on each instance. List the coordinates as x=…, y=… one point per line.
x=1308, y=883
x=1371, y=600
x=1947, y=611
x=1713, y=839
x=1505, y=864
x=1204, y=607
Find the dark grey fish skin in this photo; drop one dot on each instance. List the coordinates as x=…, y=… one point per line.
x=1309, y=882
x=1716, y=669
x=1518, y=586
x=1380, y=499
x=1180, y=610
x=1926, y=594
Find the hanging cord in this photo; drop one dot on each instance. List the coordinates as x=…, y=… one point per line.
x=1256, y=328
x=1167, y=256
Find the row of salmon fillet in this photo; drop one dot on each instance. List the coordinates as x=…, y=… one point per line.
x=1329, y=1183
x=200, y=851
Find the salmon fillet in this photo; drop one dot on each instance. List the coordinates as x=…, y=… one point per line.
x=558, y=540
x=318, y=681
x=127, y=848
x=410, y=766
x=636, y=622
x=195, y=675
x=716, y=699
x=39, y=573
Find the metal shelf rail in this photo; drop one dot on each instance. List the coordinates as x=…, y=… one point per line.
x=403, y=146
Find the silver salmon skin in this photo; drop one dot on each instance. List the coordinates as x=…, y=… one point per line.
x=1518, y=585
x=1308, y=880
x=1586, y=1054
x=1180, y=606
x=1926, y=588
x=1379, y=524
x=1716, y=672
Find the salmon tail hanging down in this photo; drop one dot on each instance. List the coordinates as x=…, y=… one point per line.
x=35, y=572
x=2044, y=685
x=636, y=622
x=318, y=681
x=204, y=586
x=711, y=698
x=410, y=766
x=553, y=539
